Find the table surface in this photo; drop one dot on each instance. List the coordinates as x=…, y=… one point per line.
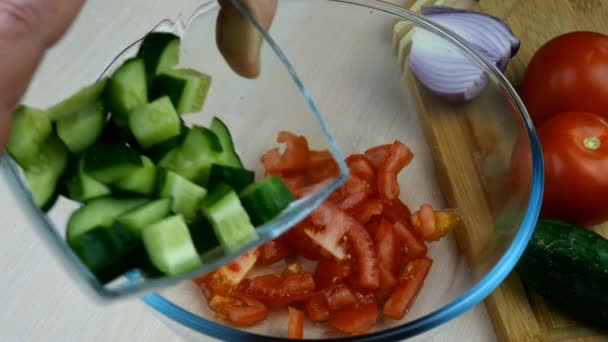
x=41, y=304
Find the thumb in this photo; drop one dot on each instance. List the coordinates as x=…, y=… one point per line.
x=238, y=40
x=27, y=29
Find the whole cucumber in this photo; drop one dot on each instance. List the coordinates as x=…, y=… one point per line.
x=568, y=265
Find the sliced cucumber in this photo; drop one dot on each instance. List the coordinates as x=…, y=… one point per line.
x=237, y=178
x=81, y=99
x=31, y=128
x=155, y=122
x=160, y=151
x=109, y=163
x=203, y=235
x=160, y=52
x=136, y=219
x=127, y=89
x=106, y=255
x=200, y=149
x=44, y=172
x=82, y=187
x=170, y=247
x=142, y=181
x=186, y=88
x=82, y=129
x=265, y=199
x=229, y=156
x=186, y=196
x=100, y=212
x=229, y=220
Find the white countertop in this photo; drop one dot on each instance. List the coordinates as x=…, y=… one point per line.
x=39, y=303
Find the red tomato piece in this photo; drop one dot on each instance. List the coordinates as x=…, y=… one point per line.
x=362, y=167
x=387, y=283
x=317, y=158
x=364, y=257
x=373, y=225
x=295, y=325
x=340, y=297
x=351, y=194
x=280, y=290
x=370, y=208
x=399, y=156
x=294, y=158
x=376, y=155
x=405, y=292
x=389, y=248
x=365, y=298
x=330, y=272
x=223, y=280
x=294, y=268
x=241, y=311
x=434, y=224
x=356, y=321
x=316, y=307
x=396, y=211
x=414, y=246
x=273, y=251
x=302, y=243
x=335, y=224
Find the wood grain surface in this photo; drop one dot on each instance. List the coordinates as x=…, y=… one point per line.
x=461, y=138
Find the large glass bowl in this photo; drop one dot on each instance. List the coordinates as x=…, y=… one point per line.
x=343, y=53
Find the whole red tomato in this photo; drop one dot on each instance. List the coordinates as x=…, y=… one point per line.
x=568, y=73
x=575, y=153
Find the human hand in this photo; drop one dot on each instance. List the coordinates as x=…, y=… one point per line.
x=28, y=28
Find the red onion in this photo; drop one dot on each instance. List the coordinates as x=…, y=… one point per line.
x=443, y=68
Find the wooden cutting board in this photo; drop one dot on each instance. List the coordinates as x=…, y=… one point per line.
x=467, y=143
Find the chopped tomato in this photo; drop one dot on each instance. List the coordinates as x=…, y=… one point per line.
x=273, y=251
x=329, y=272
x=357, y=320
x=389, y=248
x=387, y=283
x=294, y=268
x=223, y=280
x=434, y=224
x=399, y=156
x=373, y=225
x=364, y=256
x=365, y=298
x=295, y=324
x=340, y=297
x=242, y=311
x=405, y=292
x=316, y=307
x=351, y=194
x=296, y=183
x=414, y=246
x=335, y=224
x=396, y=211
x=295, y=156
x=302, y=243
x=376, y=155
x=280, y=290
x=361, y=167
x=317, y=158
x=370, y=208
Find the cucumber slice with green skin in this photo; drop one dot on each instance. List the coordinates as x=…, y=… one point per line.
x=127, y=88
x=160, y=151
x=45, y=171
x=30, y=129
x=136, y=219
x=81, y=130
x=228, y=218
x=106, y=255
x=170, y=247
x=81, y=99
x=229, y=156
x=160, y=52
x=200, y=149
x=265, y=199
x=186, y=196
x=154, y=123
x=142, y=181
x=237, y=178
x=109, y=163
x=82, y=187
x=100, y=212
x=203, y=235
x=186, y=88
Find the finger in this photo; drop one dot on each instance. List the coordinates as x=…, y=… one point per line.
x=239, y=41
x=27, y=29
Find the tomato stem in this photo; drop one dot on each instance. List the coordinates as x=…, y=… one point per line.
x=592, y=143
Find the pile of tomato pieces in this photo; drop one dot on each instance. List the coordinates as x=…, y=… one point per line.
x=370, y=250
